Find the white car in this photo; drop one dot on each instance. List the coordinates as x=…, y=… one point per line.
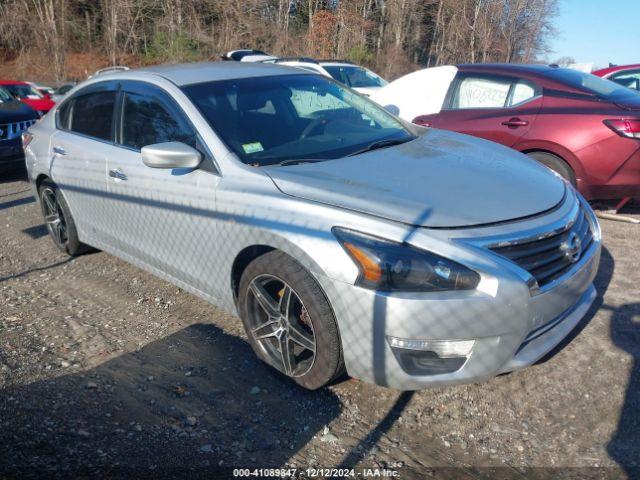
x=417, y=93
x=247, y=55
x=358, y=78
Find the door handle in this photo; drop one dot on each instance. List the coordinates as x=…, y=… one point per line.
x=59, y=151
x=515, y=123
x=117, y=174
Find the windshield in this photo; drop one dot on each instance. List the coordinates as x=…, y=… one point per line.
x=355, y=77
x=589, y=83
x=5, y=96
x=268, y=120
x=23, y=91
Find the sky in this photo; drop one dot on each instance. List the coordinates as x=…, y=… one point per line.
x=598, y=31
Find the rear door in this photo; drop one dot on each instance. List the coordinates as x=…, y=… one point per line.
x=84, y=133
x=495, y=107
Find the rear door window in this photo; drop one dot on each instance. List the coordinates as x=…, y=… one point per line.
x=475, y=91
x=92, y=115
x=481, y=92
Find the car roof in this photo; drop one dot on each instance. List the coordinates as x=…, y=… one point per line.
x=190, y=73
x=508, y=67
x=12, y=82
x=538, y=71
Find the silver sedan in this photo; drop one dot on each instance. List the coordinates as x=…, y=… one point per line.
x=344, y=238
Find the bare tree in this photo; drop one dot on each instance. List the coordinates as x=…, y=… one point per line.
x=37, y=37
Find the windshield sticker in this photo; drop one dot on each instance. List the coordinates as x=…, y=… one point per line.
x=252, y=147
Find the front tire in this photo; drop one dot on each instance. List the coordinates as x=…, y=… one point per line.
x=288, y=320
x=59, y=221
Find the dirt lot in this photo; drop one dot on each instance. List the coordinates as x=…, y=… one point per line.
x=106, y=369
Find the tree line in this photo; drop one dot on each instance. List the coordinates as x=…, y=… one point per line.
x=60, y=39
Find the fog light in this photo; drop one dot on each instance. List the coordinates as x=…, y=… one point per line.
x=430, y=357
x=444, y=348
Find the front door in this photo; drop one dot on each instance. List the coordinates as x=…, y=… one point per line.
x=164, y=218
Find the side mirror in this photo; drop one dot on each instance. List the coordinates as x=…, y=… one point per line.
x=170, y=155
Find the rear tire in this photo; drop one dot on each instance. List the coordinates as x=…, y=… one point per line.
x=556, y=164
x=59, y=221
x=302, y=325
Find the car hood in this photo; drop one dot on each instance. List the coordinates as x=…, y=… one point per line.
x=42, y=104
x=16, y=111
x=440, y=180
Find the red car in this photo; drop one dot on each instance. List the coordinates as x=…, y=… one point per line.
x=625, y=75
x=29, y=95
x=585, y=128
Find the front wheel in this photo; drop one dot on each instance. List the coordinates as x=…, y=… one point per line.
x=288, y=320
x=59, y=221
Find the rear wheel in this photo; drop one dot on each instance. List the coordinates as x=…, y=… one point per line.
x=59, y=221
x=556, y=164
x=288, y=320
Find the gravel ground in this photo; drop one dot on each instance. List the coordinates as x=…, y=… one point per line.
x=105, y=369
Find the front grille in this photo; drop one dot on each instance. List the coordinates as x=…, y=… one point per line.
x=13, y=130
x=550, y=257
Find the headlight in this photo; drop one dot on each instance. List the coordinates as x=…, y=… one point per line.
x=390, y=266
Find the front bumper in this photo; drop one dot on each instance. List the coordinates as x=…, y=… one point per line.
x=11, y=153
x=510, y=326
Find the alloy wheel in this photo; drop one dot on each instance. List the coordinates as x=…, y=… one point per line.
x=281, y=325
x=54, y=217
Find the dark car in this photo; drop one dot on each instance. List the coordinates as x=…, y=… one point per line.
x=15, y=118
x=585, y=128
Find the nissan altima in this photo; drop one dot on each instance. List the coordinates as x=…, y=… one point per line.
x=344, y=238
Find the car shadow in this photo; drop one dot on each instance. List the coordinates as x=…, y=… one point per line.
x=16, y=202
x=194, y=402
x=31, y=270
x=624, y=446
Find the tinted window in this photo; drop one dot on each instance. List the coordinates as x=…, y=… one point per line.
x=64, y=114
x=92, y=114
x=629, y=79
x=267, y=120
x=481, y=92
x=145, y=121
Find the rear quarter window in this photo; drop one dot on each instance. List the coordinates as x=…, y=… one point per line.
x=64, y=115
